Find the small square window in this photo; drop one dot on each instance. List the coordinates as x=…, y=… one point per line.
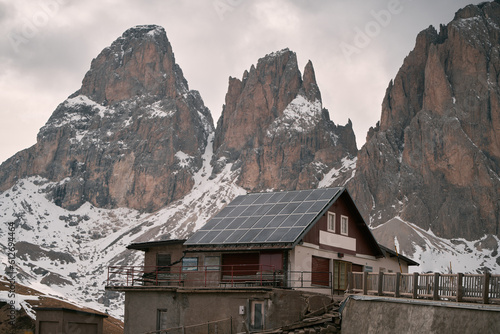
x=331, y=221
x=190, y=264
x=344, y=225
x=212, y=262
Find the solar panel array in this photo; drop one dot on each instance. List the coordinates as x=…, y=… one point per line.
x=278, y=217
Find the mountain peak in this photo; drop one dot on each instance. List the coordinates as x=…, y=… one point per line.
x=133, y=135
x=311, y=88
x=435, y=159
x=147, y=29
x=275, y=112
x=139, y=62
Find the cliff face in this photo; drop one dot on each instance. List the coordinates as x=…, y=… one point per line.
x=434, y=158
x=131, y=136
x=274, y=127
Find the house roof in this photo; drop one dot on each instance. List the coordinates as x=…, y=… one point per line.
x=144, y=246
x=268, y=220
x=70, y=310
x=392, y=253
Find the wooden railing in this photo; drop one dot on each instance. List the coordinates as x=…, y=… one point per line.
x=459, y=287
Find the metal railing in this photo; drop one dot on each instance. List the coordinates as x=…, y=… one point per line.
x=459, y=287
x=221, y=276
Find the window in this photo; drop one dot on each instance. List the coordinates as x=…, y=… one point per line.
x=163, y=262
x=212, y=262
x=341, y=269
x=257, y=315
x=161, y=320
x=331, y=222
x=190, y=264
x=344, y=225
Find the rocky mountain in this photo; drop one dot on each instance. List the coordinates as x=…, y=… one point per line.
x=433, y=160
x=131, y=136
x=133, y=156
x=274, y=127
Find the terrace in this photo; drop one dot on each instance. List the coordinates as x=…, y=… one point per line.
x=215, y=276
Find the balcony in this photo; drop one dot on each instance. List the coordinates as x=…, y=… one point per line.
x=215, y=276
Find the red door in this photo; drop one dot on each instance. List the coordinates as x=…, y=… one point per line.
x=241, y=264
x=320, y=271
x=271, y=262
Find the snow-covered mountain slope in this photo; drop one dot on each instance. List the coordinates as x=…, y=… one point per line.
x=437, y=254
x=66, y=253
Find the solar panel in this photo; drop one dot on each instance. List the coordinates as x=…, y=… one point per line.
x=263, y=235
x=211, y=224
x=222, y=236
x=224, y=212
x=277, y=220
x=237, y=200
x=278, y=234
x=263, y=222
x=276, y=209
x=263, y=198
x=290, y=220
x=233, y=238
x=279, y=217
x=250, y=235
x=236, y=223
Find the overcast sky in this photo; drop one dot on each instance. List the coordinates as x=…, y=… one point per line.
x=356, y=48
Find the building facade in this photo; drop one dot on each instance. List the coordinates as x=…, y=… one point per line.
x=249, y=261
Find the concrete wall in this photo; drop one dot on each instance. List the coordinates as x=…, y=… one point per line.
x=187, y=307
x=408, y=316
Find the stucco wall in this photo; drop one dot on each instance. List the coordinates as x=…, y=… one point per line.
x=370, y=316
x=300, y=259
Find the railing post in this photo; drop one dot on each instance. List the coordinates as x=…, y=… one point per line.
x=415, y=285
x=349, y=282
x=398, y=283
x=380, y=283
x=365, y=282
x=232, y=276
x=460, y=289
x=301, y=279
x=435, y=291
x=156, y=275
x=486, y=288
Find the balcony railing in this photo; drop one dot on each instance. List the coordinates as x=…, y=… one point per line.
x=220, y=276
x=449, y=287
